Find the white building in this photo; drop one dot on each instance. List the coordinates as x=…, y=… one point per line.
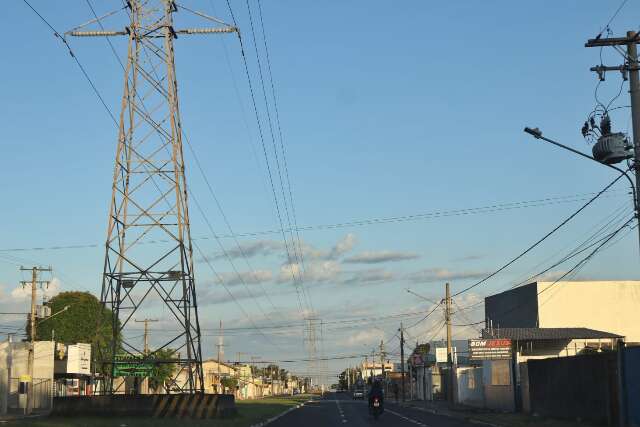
x=14, y=368
x=374, y=369
x=610, y=306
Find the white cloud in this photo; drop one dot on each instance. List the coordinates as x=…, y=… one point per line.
x=48, y=291
x=248, y=277
x=373, y=275
x=472, y=257
x=367, y=336
x=344, y=245
x=314, y=272
x=438, y=274
x=341, y=247
x=250, y=249
x=380, y=257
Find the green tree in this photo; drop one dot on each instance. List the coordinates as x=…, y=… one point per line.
x=84, y=321
x=230, y=383
x=162, y=372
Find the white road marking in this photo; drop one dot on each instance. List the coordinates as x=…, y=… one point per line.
x=419, y=423
x=340, y=411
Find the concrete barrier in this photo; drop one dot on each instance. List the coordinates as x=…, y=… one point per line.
x=198, y=406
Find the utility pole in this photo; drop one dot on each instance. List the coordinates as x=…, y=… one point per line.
x=402, y=358
x=220, y=346
x=146, y=333
x=373, y=364
x=382, y=354
x=630, y=67
x=32, y=323
x=449, y=351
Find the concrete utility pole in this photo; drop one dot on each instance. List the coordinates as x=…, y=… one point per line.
x=382, y=354
x=630, y=67
x=373, y=364
x=402, y=358
x=146, y=333
x=32, y=323
x=220, y=346
x=449, y=349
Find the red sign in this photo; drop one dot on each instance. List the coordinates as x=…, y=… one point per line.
x=490, y=349
x=416, y=360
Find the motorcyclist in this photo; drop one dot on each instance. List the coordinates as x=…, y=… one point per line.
x=376, y=391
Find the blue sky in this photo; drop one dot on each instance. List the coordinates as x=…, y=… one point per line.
x=387, y=109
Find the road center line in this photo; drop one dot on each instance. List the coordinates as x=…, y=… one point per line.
x=344, y=420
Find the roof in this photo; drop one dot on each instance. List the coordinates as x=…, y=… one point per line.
x=541, y=334
x=221, y=363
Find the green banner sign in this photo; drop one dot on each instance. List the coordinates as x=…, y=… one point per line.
x=132, y=366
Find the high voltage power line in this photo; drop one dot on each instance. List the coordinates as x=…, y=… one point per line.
x=542, y=239
x=578, y=266
x=266, y=157
x=602, y=232
x=498, y=207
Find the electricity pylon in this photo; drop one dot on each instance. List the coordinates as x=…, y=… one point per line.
x=311, y=339
x=149, y=197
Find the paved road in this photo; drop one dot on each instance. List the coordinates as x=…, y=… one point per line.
x=340, y=410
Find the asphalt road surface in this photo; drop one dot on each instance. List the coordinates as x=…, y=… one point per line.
x=339, y=409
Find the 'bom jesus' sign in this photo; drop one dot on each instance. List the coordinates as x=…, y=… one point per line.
x=490, y=349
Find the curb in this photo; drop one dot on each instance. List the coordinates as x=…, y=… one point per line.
x=280, y=415
x=482, y=423
x=451, y=415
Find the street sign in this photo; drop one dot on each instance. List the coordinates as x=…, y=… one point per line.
x=441, y=355
x=416, y=360
x=490, y=349
x=132, y=366
x=79, y=359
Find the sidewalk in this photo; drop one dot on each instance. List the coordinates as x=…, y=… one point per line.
x=487, y=417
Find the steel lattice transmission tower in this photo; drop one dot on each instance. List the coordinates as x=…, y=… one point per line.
x=148, y=249
x=311, y=340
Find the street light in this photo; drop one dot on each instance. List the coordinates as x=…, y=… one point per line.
x=537, y=133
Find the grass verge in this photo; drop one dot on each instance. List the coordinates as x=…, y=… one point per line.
x=249, y=412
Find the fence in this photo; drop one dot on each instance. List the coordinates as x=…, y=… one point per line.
x=630, y=384
x=579, y=387
x=42, y=394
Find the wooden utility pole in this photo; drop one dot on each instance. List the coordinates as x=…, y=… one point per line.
x=146, y=333
x=449, y=348
x=402, y=358
x=32, y=324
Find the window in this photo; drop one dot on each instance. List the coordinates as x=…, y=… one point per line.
x=471, y=379
x=500, y=372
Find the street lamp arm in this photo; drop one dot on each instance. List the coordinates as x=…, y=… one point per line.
x=422, y=297
x=54, y=314
x=536, y=133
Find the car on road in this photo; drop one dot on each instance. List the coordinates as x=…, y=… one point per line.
x=358, y=393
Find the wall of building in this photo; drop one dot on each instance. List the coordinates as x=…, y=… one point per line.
x=14, y=364
x=497, y=308
x=4, y=376
x=498, y=385
x=469, y=387
x=610, y=306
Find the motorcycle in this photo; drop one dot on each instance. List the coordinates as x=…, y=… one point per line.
x=376, y=408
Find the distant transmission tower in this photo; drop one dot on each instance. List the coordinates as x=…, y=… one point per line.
x=149, y=196
x=311, y=339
